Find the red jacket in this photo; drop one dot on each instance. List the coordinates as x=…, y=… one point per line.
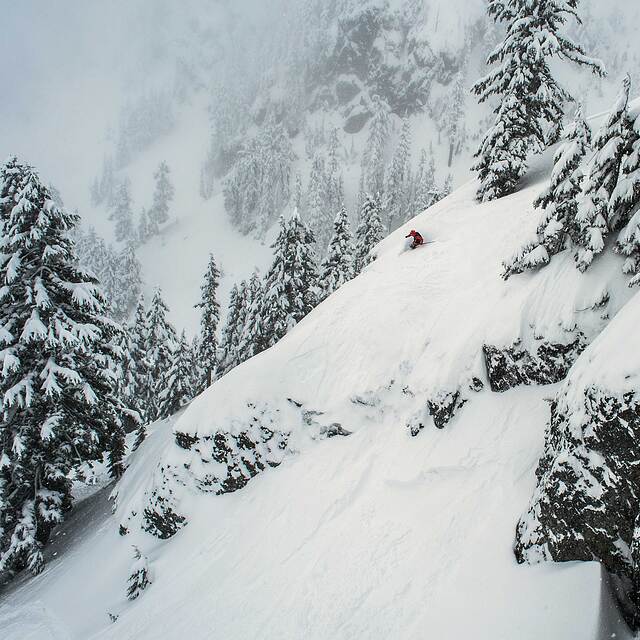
x=417, y=238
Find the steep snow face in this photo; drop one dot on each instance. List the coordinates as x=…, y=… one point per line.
x=362, y=531
x=416, y=321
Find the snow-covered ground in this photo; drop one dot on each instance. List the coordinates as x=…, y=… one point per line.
x=377, y=534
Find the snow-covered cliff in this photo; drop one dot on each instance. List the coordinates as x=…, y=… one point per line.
x=372, y=467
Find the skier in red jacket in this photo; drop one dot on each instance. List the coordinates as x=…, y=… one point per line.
x=417, y=239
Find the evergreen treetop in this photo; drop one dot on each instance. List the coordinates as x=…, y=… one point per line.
x=210, y=317
x=530, y=98
x=338, y=266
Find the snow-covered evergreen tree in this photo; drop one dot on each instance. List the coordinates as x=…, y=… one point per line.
x=177, y=381
x=162, y=197
x=140, y=576
x=102, y=189
x=626, y=197
x=210, y=317
x=373, y=159
x=424, y=183
x=251, y=335
x=334, y=189
x=129, y=281
x=230, y=338
x=558, y=226
x=319, y=216
x=144, y=229
x=454, y=120
x=259, y=187
x=338, y=267
x=137, y=381
x=530, y=99
x=161, y=340
x=298, y=194
x=368, y=233
x=398, y=188
x=199, y=368
x=121, y=213
x=58, y=381
x=596, y=215
x=290, y=284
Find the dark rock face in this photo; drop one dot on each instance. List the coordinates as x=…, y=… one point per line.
x=356, y=121
x=586, y=504
x=444, y=408
x=510, y=367
x=239, y=457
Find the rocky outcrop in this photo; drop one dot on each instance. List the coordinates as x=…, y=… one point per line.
x=225, y=462
x=514, y=366
x=443, y=406
x=586, y=504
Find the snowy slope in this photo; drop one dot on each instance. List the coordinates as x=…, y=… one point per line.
x=375, y=534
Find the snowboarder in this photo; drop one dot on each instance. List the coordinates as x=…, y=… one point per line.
x=417, y=239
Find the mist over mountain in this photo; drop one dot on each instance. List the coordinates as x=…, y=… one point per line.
x=318, y=319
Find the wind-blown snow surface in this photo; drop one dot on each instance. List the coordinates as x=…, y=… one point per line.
x=376, y=534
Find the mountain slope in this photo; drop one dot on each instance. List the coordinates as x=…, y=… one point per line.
x=362, y=530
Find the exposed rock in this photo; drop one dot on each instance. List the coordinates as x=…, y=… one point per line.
x=356, y=121
x=443, y=408
x=512, y=366
x=586, y=504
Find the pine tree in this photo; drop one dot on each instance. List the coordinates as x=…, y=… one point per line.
x=399, y=180
x=373, y=159
x=106, y=190
x=209, y=320
x=596, y=216
x=177, y=388
x=161, y=340
x=368, y=234
x=454, y=121
x=251, y=329
x=558, y=226
x=230, y=338
x=144, y=230
x=298, y=197
x=318, y=213
x=530, y=99
x=199, y=368
x=162, y=198
x=447, y=187
x=121, y=213
x=338, y=266
x=138, y=383
x=425, y=182
x=626, y=198
x=58, y=368
x=129, y=279
x=134, y=376
x=140, y=577
x=334, y=188
x=291, y=281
